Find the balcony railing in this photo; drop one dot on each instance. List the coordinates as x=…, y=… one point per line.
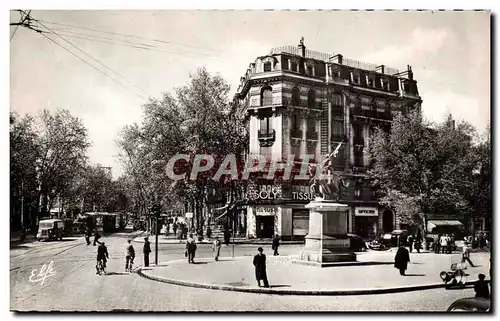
x=258, y=102
x=371, y=113
x=296, y=133
x=267, y=134
x=312, y=135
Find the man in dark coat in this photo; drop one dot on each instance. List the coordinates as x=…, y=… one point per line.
x=259, y=261
x=227, y=237
x=481, y=287
x=146, y=250
x=401, y=260
x=276, y=244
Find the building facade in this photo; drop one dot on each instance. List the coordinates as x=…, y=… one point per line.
x=305, y=102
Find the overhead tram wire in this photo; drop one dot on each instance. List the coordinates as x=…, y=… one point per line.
x=21, y=21
x=102, y=64
x=132, y=44
x=86, y=62
x=133, y=36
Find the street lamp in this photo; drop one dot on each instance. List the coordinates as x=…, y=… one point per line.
x=156, y=165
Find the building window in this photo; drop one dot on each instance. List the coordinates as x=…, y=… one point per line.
x=311, y=149
x=384, y=84
x=266, y=125
x=370, y=81
x=311, y=125
x=295, y=97
x=294, y=66
x=295, y=122
x=358, y=156
x=266, y=96
x=337, y=100
x=355, y=78
x=337, y=130
x=285, y=64
x=333, y=72
x=267, y=66
x=310, y=70
x=405, y=85
x=311, y=99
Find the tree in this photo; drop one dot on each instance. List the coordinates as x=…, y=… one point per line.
x=23, y=175
x=418, y=169
x=63, y=144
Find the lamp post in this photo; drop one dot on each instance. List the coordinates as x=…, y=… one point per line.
x=156, y=164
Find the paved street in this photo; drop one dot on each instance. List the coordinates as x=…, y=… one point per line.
x=76, y=287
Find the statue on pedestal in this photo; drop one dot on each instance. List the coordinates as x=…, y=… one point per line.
x=331, y=187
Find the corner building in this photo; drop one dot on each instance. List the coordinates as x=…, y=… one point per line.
x=304, y=102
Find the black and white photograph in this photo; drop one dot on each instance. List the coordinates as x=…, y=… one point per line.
x=169, y=160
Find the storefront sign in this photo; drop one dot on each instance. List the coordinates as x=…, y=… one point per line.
x=265, y=211
x=366, y=211
x=302, y=193
x=264, y=192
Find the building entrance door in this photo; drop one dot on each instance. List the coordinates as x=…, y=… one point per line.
x=265, y=226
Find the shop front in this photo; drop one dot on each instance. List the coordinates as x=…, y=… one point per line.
x=366, y=222
x=265, y=219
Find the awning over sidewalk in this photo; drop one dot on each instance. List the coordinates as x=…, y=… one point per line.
x=432, y=224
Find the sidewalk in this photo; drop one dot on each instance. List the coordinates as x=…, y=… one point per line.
x=377, y=275
x=162, y=239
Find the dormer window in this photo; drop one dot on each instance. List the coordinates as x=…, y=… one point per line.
x=267, y=66
x=294, y=66
x=355, y=78
x=370, y=81
x=310, y=70
x=384, y=84
x=285, y=64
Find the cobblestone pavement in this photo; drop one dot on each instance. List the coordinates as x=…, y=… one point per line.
x=76, y=287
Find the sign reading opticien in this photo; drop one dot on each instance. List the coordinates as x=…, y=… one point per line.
x=366, y=211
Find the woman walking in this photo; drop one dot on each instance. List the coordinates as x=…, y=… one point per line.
x=401, y=260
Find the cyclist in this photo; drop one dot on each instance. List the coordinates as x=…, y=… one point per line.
x=129, y=256
x=102, y=254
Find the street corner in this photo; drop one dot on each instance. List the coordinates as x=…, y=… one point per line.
x=285, y=277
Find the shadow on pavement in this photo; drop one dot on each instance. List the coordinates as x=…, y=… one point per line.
x=280, y=286
x=202, y=262
x=236, y=284
x=414, y=274
x=116, y=273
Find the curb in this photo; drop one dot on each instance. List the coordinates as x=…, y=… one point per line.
x=341, y=292
x=183, y=241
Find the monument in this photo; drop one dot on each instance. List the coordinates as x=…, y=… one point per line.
x=327, y=242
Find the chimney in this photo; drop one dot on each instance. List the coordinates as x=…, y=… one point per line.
x=302, y=47
x=410, y=73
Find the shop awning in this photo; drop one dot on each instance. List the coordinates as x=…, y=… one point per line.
x=432, y=224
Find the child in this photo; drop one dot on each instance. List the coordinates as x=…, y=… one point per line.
x=216, y=247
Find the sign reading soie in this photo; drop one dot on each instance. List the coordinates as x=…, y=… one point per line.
x=366, y=211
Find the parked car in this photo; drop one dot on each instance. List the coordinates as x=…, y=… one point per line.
x=470, y=305
x=403, y=237
x=357, y=243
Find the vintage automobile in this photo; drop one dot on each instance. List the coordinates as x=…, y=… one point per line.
x=470, y=305
x=52, y=229
x=357, y=243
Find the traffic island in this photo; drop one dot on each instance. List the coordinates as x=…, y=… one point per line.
x=375, y=275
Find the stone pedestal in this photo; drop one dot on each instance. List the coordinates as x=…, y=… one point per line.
x=327, y=242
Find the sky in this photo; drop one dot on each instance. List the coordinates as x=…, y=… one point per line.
x=449, y=53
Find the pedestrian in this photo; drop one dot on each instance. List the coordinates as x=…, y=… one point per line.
x=466, y=253
x=191, y=248
x=129, y=256
x=209, y=233
x=175, y=229
x=146, y=250
x=443, y=243
x=481, y=287
x=259, y=261
x=410, y=242
x=88, y=234
x=418, y=241
x=436, y=243
x=216, y=248
x=276, y=244
x=401, y=260
x=97, y=236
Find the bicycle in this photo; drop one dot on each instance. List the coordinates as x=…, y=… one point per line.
x=100, y=267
